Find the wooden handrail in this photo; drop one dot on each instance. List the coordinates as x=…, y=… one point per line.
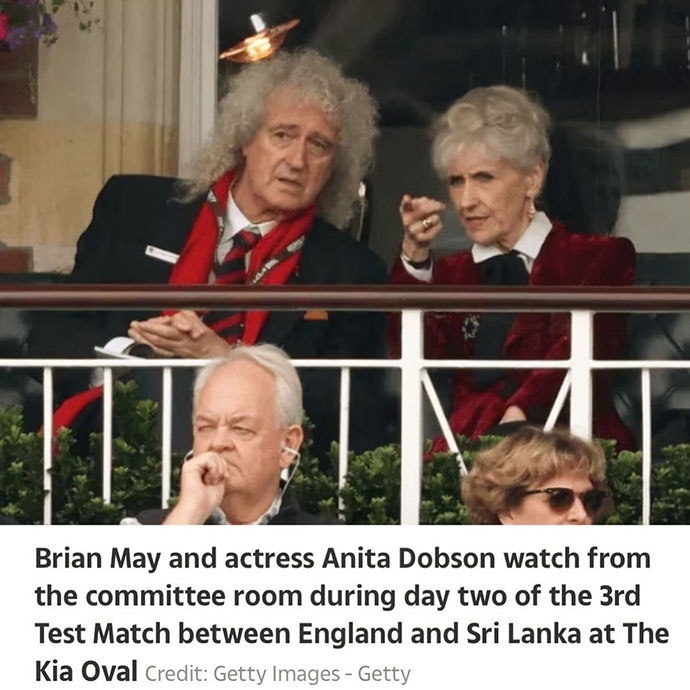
x=370, y=297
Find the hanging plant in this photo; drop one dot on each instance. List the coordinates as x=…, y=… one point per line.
x=28, y=20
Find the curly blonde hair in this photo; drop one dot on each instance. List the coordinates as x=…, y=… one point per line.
x=506, y=122
x=318, y=81
x=527, y=458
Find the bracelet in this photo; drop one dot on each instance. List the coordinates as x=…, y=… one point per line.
x=416, y=264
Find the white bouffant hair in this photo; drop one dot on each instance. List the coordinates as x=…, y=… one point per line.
x=504, y=122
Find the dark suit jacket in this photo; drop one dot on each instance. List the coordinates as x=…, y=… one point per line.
x=289, y=514
x=565, y=259
x=134, y=211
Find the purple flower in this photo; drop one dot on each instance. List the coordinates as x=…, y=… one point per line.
x=48, y=26
x=26, y=3
x=16, y=36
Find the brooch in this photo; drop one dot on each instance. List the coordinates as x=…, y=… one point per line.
x=470, y=326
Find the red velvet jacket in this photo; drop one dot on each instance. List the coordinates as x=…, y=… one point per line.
x=565, y=259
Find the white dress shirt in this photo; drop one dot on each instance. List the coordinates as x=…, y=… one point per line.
x=527, y=247
x=235, y=221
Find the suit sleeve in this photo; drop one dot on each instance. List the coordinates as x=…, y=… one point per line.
x=361, y=334
x=74, y=333
x=613, y=266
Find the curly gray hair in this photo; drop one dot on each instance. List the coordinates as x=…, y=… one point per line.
x=507, y=122
x=317, y=80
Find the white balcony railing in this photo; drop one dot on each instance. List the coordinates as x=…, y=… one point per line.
x=414, y=367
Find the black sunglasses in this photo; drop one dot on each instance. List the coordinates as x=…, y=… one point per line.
x=561, y=499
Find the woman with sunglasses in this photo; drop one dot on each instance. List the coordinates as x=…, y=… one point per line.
x=534, y=477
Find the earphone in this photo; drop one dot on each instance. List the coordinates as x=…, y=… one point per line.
x=287, y=473
x=292, y=451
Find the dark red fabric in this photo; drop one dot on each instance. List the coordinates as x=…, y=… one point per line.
x=565, y=259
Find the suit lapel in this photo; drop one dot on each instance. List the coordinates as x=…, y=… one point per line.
x=534, y=324
x=169, y=231
x=279, y=323
x=310, y=271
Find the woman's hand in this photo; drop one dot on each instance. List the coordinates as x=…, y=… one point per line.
x=421, y=220
x=513, y=414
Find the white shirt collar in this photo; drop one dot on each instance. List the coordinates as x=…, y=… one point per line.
x=529, y=245
x=236, y=221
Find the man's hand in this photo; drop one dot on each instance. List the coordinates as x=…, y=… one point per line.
x=202, y=487
x=513, y=414
x=421, y=220
x=183, y=334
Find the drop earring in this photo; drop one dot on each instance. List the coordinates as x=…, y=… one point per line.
x=531, y=210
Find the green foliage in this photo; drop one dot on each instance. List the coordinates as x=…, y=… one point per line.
x=624, y=477
x=370, y=496
x=671, y=486
x=372, y=492
x=317, y=490
x=21, y=477
x=76, y=481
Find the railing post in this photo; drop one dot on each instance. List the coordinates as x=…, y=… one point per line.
x=412, y=340
x=344, y=438
x=166, y=436
x=581, y=353
x=646, y=447
x=107, y=433
x=47, y=445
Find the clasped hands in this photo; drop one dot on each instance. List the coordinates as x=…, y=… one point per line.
x=182, y=334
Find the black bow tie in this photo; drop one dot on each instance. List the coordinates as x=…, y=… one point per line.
x=504, y=269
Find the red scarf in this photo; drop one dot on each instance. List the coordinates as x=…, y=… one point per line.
x=196, y=259
x=194, y=266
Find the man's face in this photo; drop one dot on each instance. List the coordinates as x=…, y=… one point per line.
x=288, y=161
x=235, y=417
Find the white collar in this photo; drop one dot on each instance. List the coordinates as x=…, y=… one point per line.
x=528, y=245
x=238, y=221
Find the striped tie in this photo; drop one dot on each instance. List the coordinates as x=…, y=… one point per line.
x=232, y=271
x=233, y=267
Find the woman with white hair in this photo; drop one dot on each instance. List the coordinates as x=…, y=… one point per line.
x=492, y=149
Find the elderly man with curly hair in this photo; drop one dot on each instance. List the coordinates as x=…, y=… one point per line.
x=271, y=187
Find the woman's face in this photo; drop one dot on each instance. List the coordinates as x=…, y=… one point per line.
x=492, y=198
x=538, y=508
